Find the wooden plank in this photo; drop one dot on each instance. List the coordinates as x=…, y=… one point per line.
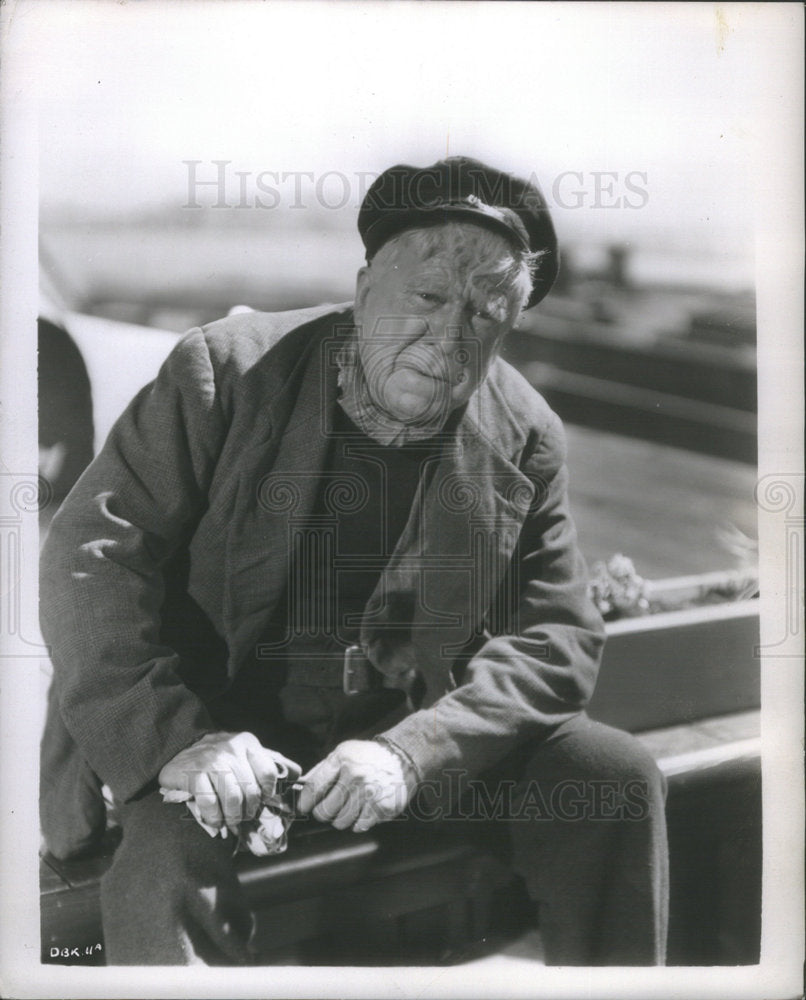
x=715, y=868
x=705, y=763
x=49, y=879
x=702, y=734
x=727, y=728
x=661, y=673
x=664, y=507
x=652, y=416
x=690, y=368
x=298, y=874
x=86, y=871
x=279, y=927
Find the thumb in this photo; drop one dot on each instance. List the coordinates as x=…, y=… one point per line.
x=286, y=768
x=264, y=768
x=318, y=782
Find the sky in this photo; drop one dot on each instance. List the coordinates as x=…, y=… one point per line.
x=643, y=113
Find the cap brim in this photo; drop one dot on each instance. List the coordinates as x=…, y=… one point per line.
x=391, y=225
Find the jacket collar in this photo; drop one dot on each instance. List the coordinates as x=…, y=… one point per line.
x=450, y=557
x=437, y=589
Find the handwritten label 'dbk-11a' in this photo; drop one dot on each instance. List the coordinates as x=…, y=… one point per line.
x=82, y=952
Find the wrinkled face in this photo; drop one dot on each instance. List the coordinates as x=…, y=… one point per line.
x=429, y=326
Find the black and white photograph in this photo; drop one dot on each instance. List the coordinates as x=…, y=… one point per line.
x=401, y=570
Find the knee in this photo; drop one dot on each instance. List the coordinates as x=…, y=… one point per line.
x=621, y=756
x=162, y=852
x=591, y=752
x=627, y=767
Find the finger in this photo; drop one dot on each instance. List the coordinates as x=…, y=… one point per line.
x=367, y=818
x=230, y=797
x=211, y=831
x=379, y=804
x=264, y=769
x=205, y=797
x=286, y=767
x=318, y=782
x=243, y=773
x=350, y=810
x=335, y=802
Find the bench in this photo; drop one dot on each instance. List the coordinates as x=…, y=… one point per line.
x=398, y=887
x=402, y=894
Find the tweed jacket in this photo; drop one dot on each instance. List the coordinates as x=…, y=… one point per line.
x=164, y=564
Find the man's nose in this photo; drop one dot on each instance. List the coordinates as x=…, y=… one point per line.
x=449, y=344
x=448, y=324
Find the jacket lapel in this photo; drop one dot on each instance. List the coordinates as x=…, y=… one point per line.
x=277, y=491
x=445, y=574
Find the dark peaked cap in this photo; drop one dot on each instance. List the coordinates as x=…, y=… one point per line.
x=459, y=187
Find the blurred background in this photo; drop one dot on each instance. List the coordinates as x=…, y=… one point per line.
x=196, y=157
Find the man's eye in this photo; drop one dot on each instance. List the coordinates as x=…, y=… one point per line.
x=483, y=314
x=428, y=296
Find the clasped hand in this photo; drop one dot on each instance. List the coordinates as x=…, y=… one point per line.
x=229, y=775
x=359, y=784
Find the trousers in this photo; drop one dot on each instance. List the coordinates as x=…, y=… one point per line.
x=581, y=812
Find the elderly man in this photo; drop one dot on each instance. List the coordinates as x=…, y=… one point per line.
x=337, y=541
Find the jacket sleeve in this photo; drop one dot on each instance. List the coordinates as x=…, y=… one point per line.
x=101, y=580
x=541, y=671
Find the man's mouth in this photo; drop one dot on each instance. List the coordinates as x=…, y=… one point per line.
x=428, y=374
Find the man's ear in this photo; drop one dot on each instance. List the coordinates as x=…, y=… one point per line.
x=362, y=282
